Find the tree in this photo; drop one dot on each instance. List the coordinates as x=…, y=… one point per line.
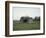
x=25, y=19
x=21, y=18
x=37, y=19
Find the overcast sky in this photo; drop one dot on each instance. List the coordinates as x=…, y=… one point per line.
x=25, y=11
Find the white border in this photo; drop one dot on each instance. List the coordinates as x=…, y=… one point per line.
x=25, y=31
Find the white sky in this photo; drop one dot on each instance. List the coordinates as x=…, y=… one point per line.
x=25, y=11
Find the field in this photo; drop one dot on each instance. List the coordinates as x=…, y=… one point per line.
x=26, y=26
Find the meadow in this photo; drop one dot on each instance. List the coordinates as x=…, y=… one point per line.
x=35, y=25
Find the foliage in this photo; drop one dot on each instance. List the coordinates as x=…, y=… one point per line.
x=36, y=19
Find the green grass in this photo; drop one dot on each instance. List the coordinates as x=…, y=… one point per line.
x=26, y=26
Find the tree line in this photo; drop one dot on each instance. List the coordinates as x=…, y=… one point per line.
x=34, y=19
